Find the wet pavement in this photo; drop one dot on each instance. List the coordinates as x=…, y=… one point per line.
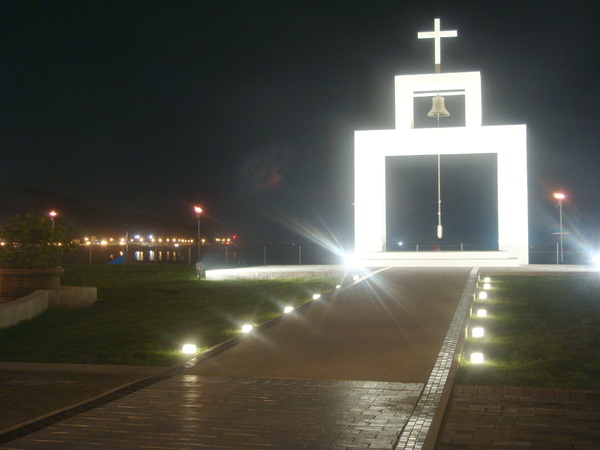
x=190, y=411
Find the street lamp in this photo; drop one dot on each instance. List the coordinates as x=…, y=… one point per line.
x=559, y=196
x=53, y=214
x=198, y=211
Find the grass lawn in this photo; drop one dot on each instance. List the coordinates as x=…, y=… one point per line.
x=144, y=313
x=538, y=332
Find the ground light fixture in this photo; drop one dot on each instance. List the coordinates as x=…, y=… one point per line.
x=487, y=279
x=316, y=296
x=247, y=328
x=482, y=295
x=188, y=349
x=481, y=313
x=288, y=309
x=338, y=286
x=355, y=277
x=477, y=332
x=487, y=286
x=477, y=358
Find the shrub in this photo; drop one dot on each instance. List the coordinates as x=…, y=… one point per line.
x=29, y=242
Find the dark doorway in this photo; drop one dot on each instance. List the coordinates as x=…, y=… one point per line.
x=469, y=196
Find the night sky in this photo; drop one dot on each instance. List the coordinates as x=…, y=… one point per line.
x=248, y=108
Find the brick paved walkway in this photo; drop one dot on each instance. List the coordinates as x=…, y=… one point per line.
x=190, y=411
x=31, y=390
x=513, y=417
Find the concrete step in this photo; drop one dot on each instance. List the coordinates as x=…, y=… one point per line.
x=439, y=259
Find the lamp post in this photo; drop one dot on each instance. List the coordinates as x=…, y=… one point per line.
x=53, y=214
x=198, y=211
x=559, y=196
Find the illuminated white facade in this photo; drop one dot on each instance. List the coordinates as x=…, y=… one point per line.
x=507, y=142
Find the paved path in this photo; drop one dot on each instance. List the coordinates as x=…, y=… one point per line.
x=518, y=417
x=347, y=372
x=30, y=390
x=389, y=327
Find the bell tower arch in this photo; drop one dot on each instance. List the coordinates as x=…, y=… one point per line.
x=508, y=142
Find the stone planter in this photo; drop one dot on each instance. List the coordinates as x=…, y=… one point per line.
x=21, y=282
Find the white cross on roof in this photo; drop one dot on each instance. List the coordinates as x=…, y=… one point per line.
x=437, y=34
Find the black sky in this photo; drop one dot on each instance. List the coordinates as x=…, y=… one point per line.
x=249, y=108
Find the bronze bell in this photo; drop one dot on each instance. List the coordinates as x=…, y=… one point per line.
x=438, y=109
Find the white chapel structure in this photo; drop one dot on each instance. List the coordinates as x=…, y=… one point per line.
x=507, y=142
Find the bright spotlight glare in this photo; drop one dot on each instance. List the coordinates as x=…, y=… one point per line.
x=596, y=259
x=188, y=349
x=477, y=332
x=353, y=261
x=247, y=328
x=288, y=309
x=316, y=296
x=477, y=358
